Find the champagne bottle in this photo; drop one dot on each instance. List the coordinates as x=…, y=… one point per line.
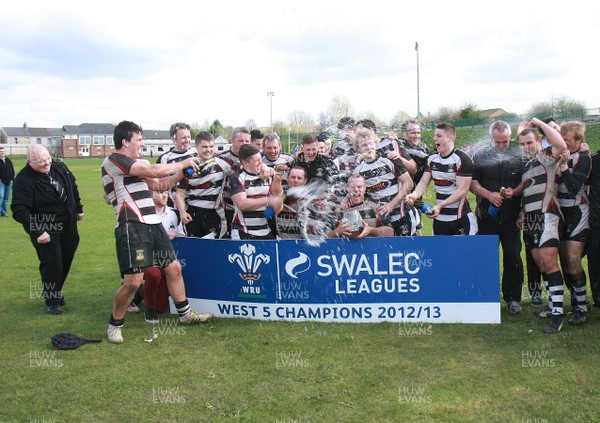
x=493, y=210
x=190, y=172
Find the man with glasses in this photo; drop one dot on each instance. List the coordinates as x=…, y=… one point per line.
x=46, y=202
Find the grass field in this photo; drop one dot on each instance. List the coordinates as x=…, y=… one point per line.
x=252, y=371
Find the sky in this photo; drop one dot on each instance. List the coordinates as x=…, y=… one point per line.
x=72, y=62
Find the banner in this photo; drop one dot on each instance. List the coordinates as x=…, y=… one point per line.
x=442, y=279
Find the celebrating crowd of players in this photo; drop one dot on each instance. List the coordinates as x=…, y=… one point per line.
x=363, y=185
x=543, y=191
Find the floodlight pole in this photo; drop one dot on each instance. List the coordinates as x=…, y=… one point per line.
x=290, y=137
x=270, y=94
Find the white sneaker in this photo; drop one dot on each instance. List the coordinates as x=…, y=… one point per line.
x=133, y=308
x=113, y=333
x=194, y=317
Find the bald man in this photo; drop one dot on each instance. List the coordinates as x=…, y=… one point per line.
x=47, y=203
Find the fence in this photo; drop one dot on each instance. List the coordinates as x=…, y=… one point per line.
x=15, y=149
x=583, y=115
x=21, y=149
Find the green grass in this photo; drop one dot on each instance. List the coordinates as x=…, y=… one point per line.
x=252, y=371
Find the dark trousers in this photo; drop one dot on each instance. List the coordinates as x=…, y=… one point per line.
x=229, y=218
x=534, y=277
x=510, y=240
x=593, y=254
x=56, y=258
x=204, y=221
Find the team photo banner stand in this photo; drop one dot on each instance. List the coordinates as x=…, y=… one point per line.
x=441, y=279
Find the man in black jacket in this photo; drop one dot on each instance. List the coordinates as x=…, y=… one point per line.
x=497, y=169
x=593, y=245
x=47, y=203
x=7, y=175
x=316, y=165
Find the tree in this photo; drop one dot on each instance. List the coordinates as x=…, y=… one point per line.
x=250, y=124
x=194, y=130
x=540, y=109
x=216, y=128
x=301, y=121
x=338, y=108
x=427, y=121
x=566, y=107
x=324, y=121
x=399, y=118
x=280, y=128
x=371, y=116
x=469, y=111
x=559, y=108
x=228, y=131
x=445, y=113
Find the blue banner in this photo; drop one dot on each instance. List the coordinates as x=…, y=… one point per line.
x=447, y=279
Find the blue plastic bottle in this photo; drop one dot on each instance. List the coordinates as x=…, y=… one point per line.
x=493, y=210
x=269, y=212
x=189, y=171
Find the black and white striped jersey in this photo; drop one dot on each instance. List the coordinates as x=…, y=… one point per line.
x=572, y=188
x=205, y=190
x=539, y=183
x=381, y=177
x=345, y=155
x=252, y=222
x=128, y=194
x=444, y=171
x=236, y=164
x=173, y=156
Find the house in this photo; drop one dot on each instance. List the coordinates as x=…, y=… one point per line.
x=493, y=113
x=156, y=142
x=221, y=145
x=89, y=140
x=25, y=136
x=96, y=140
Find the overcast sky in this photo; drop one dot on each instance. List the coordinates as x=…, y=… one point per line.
x=72, y=62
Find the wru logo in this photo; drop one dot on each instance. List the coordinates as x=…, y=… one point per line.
x=249, y=262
